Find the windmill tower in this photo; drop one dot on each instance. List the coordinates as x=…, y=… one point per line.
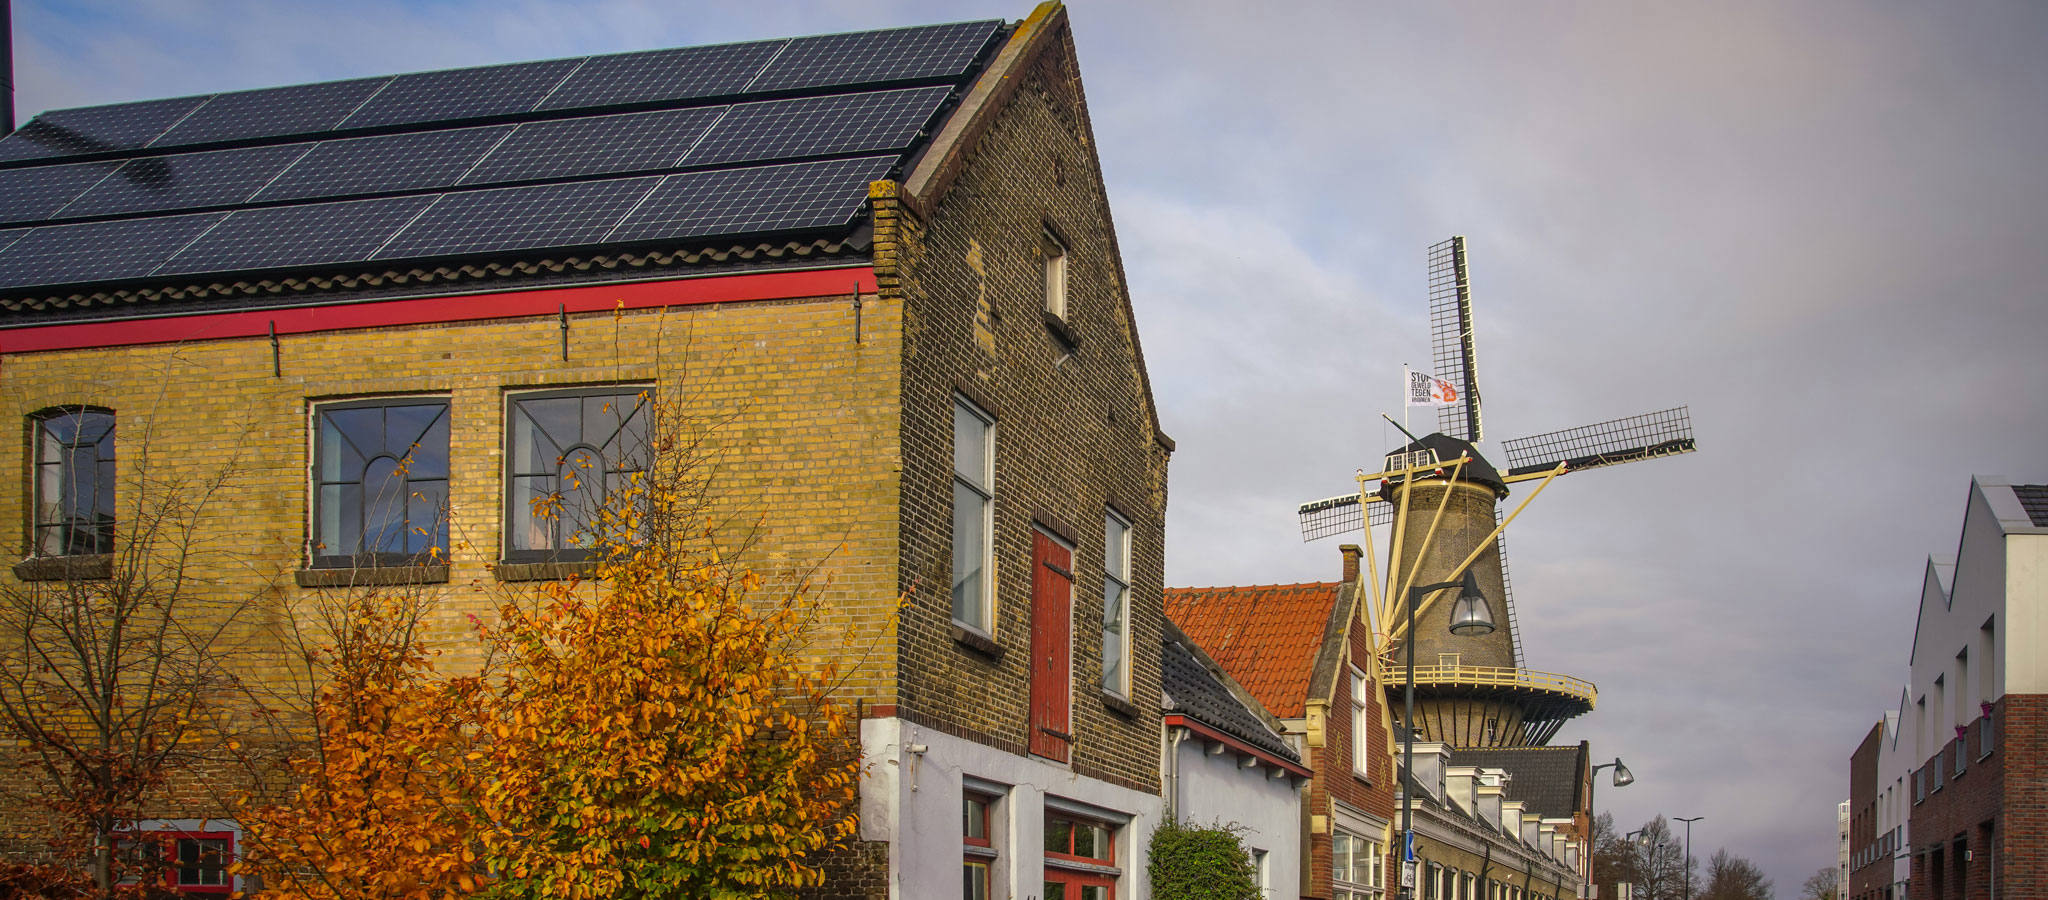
x=1441, y=499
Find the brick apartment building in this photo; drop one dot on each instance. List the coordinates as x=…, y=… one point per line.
x=883, y=263
x=1951, y=807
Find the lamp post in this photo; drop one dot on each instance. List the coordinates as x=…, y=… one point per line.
x=1688, y=852
x=1469, y=617
x=1622, y=778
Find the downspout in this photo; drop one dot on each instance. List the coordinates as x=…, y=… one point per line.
x=1174, y=736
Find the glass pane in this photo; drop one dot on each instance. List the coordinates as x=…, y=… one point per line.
x=1055, y=890
x=1113, y=602
x=1340, y=857
x=1116, y=559
x=426, y=517
x=970, y=555
x=94, y=427
x=384, y=496
x=1085, y=843
x=974, y=881
x=970, y=447
x=1059, y=836
x=1094, y=892
x=582, y=486
x=532, y=452
x=336, y=459
x=404, y=426
x=560, y=418
x=629, y=449
x=428, y=451
x=530, y=531
x=976, y=813
x=602, y=416
x=329, y=537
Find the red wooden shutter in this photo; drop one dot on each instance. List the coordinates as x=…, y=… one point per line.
x=1052, y=622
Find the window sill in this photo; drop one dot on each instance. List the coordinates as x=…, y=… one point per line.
x=96, y=567
x=371, y=576
x=976, y=641
x=1070, y=340
x=1119, y=705
x=545, y=571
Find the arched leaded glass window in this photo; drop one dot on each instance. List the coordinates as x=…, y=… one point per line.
x=74, y=482
x=380, y=472
x=570, y=451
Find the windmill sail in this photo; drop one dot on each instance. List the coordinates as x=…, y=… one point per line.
x=1666, y=432
x=1450, y=337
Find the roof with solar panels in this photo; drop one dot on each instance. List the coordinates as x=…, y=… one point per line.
x=760, y=150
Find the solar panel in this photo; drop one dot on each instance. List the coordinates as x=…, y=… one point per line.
x=815, y=126
x=521, y=218
x=305, y=235
x=762, y=198
x=10, y=235
x=95, y=129
x=298, y=109
x=185, y=180
x=593, y=146
x=461, y=93
x=933, y=51
x=392, y=162
x=35, y=193
x=98, y=251
x=677, y=74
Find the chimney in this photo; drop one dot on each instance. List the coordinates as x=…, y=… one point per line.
x=1350, y=551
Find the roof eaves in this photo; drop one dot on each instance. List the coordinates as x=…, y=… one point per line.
x=1323, y=680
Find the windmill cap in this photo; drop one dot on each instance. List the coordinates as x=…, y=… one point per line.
x=1448, y=449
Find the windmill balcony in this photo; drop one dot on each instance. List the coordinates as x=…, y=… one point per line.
x=1495, y=706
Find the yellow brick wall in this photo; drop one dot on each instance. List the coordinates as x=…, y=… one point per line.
x=806, y=441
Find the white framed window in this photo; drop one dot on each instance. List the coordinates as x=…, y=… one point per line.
x=1116, y=604
x=1361, y=733
x=1055, y=253
x=973, y=505
x=1357, y=867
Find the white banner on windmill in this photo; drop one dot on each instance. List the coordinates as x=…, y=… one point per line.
x=1425, y=389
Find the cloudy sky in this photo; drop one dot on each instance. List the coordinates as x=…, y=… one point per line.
x=1821, y=226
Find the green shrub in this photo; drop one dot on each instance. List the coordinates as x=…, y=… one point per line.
x=1192, y=862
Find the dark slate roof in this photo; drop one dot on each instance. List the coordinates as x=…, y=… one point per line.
x=769, y=143
x=1449, y=449
x=1196, y=691
x=2034, y=499
x=1545, y=779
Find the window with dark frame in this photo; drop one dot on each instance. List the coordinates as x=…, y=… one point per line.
x=195, y=863
x=1080, y=858
x=74, y=482
x=570, y=452
x=380, y=482
x=977, y=847
x=1116, y=603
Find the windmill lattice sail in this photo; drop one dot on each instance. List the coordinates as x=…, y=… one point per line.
x=1666, y=432
x=1450, y=337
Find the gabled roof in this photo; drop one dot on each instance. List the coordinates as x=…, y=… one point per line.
x=1266, y=636
x=1545, y=779
x=1198, y=688
x=754, y=144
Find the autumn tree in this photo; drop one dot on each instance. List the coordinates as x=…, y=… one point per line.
x=655, y=731
x=117, y=679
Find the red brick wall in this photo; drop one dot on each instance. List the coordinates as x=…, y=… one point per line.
x=1332, y=764
x=1873, y=874
x=2023, y=748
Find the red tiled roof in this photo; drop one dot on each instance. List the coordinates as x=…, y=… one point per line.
x=1266, y=636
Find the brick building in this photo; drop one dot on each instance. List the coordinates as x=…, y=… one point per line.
x=880, y=267
x=1961, y=765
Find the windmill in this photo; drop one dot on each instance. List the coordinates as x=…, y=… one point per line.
x=1442, y=501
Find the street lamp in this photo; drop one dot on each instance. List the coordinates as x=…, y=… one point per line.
x=1622, y=778
x=1688, y=852
x=1470, y=617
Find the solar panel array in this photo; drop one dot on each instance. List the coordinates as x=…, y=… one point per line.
x=688, y=143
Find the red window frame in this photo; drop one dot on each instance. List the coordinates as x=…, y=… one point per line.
x=971, y=815
x=1055, y=873
x=165, y=842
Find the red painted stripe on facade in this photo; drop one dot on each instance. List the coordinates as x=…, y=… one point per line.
x=173, y=328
